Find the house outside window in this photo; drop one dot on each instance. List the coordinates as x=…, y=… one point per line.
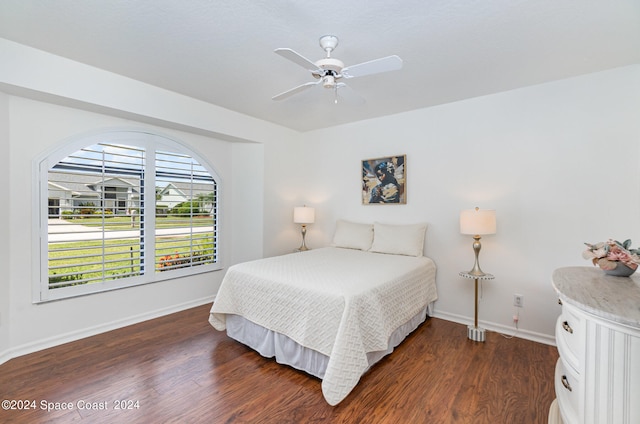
x=100, y=231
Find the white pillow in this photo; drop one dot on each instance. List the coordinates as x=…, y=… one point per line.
x=351, y=235
x=399, y=239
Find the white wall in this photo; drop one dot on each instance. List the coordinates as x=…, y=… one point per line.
x=284, y=188
x=5, y=248
x=247, y=175
x=51, y=99
x=559, y=162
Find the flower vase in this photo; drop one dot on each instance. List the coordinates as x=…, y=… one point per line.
x=621, y=270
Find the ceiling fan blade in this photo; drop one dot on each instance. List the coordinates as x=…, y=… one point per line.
x=376, y=66
x=295, y=90
x=298, y=59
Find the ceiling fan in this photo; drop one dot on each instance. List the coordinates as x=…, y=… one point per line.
x=330, y=71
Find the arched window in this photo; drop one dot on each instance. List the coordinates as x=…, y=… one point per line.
x=123, y=208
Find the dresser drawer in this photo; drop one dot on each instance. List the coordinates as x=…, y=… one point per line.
x=570, y=336
x=568, y=392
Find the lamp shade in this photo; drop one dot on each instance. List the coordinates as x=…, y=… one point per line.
x=304, y=215
x=478, y=221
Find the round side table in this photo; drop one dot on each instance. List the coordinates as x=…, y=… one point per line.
x=474, y=332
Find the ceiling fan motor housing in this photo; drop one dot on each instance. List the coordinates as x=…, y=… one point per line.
x=332, y=68
x=330, y=64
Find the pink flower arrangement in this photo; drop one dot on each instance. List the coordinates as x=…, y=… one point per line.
x=608, y=254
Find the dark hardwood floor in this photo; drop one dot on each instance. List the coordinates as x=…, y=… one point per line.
x=178, y=369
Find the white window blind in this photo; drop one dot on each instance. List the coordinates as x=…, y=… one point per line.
x=185, y=208
x=119, y=214
x=91, y=238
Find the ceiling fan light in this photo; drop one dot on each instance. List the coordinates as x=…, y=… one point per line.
x=329, y=81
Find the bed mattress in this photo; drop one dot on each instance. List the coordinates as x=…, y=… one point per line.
x=341, y=303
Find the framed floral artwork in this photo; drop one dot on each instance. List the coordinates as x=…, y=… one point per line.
x=384, y=180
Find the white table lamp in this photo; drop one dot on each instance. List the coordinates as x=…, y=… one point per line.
x=477, y=222
x=304, y=215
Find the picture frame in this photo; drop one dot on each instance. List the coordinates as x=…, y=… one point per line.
x=384, y=180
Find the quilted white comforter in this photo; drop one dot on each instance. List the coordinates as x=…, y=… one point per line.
x=342, y=303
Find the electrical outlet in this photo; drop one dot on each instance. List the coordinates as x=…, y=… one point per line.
x=518, y=300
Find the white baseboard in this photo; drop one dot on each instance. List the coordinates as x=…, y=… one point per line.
x=103, y=328
x=499, y=328
x=5, y=356
x=57, y=340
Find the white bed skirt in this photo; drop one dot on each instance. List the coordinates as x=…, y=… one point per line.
x=271, y=344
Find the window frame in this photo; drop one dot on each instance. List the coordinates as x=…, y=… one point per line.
x=150, y=142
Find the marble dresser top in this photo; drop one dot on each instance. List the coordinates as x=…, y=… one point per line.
x=614, y=298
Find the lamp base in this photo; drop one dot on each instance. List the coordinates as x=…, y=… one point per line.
x=303, y=246
x=476, y=334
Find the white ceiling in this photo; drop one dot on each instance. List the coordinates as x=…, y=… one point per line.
x=221, y=51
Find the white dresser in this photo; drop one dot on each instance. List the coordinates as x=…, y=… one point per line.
x=597, y=377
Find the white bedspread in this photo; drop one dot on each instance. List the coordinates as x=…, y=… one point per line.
x=341, y=302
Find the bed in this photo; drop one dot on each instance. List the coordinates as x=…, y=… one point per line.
x=335, y=311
